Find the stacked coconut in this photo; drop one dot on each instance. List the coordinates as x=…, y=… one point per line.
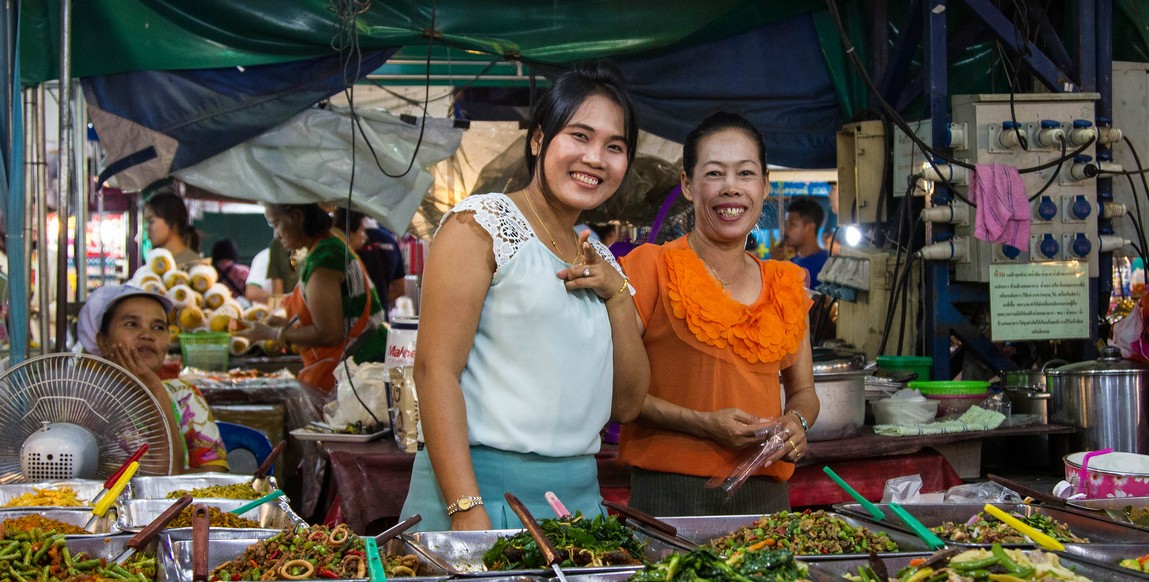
x=202, y=303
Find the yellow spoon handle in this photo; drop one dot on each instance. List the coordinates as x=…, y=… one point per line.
x=114, y=493
x=1042, y=540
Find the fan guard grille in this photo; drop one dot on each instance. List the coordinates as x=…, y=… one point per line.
x=89, y=392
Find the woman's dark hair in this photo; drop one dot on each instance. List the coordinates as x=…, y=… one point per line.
x=316, y=220
x=343, y=215
x=567, y=93
x=224, y=250
x=170, y=208
x=717, y=122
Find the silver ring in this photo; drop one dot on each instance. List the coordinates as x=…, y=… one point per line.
x=586, y=272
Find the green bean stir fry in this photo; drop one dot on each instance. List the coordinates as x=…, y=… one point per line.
x=984, y=528
x=995, y=564
x=807, y=533
x=38, y=556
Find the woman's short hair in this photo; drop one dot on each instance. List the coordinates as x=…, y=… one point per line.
x=567, y=93
x=224, y=250
x=349, y=220
x=717, y=122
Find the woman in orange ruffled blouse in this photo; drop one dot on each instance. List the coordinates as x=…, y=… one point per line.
x=718, y=326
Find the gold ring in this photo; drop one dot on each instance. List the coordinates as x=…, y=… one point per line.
x=792, y=445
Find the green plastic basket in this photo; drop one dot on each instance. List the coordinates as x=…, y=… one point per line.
x=206, y=351
x=951, y=387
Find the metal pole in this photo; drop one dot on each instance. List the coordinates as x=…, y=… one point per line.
x=64, y=187
x=41, y=192
x=936, y=273
x=79, y=150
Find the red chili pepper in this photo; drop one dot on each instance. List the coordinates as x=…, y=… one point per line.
x=354, y=553
x=274, y=555
x=324, y=572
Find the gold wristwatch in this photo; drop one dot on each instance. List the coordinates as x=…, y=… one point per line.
x=464, y=503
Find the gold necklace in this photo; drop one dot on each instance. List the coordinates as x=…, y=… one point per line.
x=713, y=271
x=527, y=195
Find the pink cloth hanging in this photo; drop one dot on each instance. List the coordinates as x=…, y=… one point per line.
x=1003, y=211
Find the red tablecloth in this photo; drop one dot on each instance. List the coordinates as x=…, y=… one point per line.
x=370, y=480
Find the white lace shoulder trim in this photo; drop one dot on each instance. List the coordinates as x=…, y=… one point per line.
x=501, y=219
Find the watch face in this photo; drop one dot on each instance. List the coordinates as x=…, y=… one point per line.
x=465, y=504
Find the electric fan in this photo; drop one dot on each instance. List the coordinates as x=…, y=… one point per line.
x=75, y=416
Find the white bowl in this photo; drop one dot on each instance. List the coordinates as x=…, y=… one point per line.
x=892, y=411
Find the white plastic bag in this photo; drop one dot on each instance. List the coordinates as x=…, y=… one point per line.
x=362, y=400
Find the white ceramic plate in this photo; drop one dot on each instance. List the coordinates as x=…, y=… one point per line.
x=336, y=437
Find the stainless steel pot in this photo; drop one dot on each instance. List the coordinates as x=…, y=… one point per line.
x=1027, y=390
x=1108, y=399
x=840, y=382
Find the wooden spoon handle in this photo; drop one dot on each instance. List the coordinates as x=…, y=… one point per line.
x=550, y=553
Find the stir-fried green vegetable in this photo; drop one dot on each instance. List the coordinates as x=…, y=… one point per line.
x=987, y=529
x=601, y=541
x=37, y=556
x=807, y=533
x=995, y=564
x=700, y=565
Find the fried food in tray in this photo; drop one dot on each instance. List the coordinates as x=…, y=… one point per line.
x=983, y=528
x=47, y=497
x=216, y=517
x=584, y=542
x=37, y=555
x=203, y=486
x=806, y=533
x=73, y=493
x=704, y=564
x=309, y=553
x=994, y=563
x=233, y=491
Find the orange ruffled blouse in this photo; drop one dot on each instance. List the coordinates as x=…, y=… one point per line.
x=708, y=352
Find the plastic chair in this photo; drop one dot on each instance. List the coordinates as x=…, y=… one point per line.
x=247, y=448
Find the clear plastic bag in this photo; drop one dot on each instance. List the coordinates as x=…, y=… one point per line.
x=757, y=457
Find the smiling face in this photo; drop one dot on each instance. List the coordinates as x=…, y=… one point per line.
x=727, y=186
x=140, y=323
x=586, y=161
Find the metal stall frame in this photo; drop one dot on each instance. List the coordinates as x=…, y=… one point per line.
x=1092, y=69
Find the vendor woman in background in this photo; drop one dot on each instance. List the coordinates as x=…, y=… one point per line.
x=328, y=330
x=169, y=227
x=529, y=341
x=129, y=326
x=718, y=325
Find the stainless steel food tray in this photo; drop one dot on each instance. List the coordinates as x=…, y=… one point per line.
x=136, y=514
x=701, y=530
x=109, y=547
x=221, y=550
x=77, y=516
x=1094, y=571
x=461, y=553
x=86, y=490
x=1098, y=531
x=1119, y=503
x=1109, y=555
x=159, y=487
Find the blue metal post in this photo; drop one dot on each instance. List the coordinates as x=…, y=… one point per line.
x=1102, y=65
x=12, y=160
x=937, y=275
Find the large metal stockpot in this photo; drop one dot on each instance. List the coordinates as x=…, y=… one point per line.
x=840, y=382
x=1107, y=398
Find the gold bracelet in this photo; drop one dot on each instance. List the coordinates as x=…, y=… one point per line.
x=625, y=283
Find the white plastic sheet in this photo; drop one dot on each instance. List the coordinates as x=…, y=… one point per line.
x=308, y=159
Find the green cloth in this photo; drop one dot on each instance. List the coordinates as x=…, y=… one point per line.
x=974, y=419
x=356, y=290
x=279, y=265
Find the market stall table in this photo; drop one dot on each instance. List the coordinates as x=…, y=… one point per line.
x=370, y=480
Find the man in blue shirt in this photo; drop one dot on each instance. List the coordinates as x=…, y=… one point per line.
x=804, y=217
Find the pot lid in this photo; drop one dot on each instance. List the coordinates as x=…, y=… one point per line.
x=1109, y=363
x=829, y=361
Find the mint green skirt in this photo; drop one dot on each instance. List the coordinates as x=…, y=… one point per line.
x=528, y=476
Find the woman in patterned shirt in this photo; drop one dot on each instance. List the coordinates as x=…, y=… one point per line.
x=129, y=326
